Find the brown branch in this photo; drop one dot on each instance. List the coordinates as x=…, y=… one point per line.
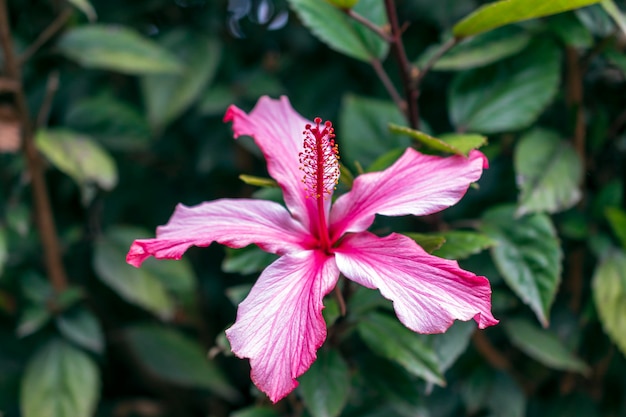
x=449, y=44
x=45, y=36
x=391, y=89
x=368, y=24
x=43, y=210
x=51, y=88
x=397, y=48
x=575, y=99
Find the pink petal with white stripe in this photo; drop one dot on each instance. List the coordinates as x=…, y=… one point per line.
x=415, y=184
x=280, y=325
x=235, y=223
x=428, y=293
x=277, y=130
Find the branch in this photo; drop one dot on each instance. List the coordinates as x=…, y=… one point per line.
x=433, y=60
x=45, y=36
x=391, y=89
x=43, y=211
x=397, y=48
x=368, y=24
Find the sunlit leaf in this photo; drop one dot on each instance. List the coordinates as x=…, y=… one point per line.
x=116, y=48
x=543, y=346
x=617, y=220
x=504, y=12
x=609, y=295
x=326, y=385
x=548, y=172
x=428, y=242
x=527, y=254
x=60, y=381
x=176, y=358
x=462, y=244
x=85, y=7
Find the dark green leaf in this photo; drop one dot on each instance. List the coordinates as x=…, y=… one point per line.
x=177, y=358
x=169, y=95
x=387, y=337
x=256, y=412
x=482, y=50
x=450, y=345
x=527, y=254
x=548, y=173
x=509, y=95
x=617, y=220
x=504, y=12
x=80, y=157
x=326, y=385
x=247, y=260
x=609, y=294
x=571, y=30
x=610, y=195
x=385, y=160
x=363, y=133
x=82, y=328
x=462, y=244
x=85, y=7
x=506, y=399
x=4, y=250
x=116, y=48
x=60, y=381
x=32, y=319
x=340, y=32
x=238, y=293
x=428, y=242
x=543, y=346
x=617, y=58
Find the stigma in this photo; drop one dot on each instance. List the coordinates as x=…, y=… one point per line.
x=319, y=160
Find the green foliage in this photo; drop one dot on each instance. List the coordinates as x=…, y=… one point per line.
x=326, y=385
x=609, y=294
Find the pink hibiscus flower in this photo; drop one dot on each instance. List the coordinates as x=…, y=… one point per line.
x=279, y=326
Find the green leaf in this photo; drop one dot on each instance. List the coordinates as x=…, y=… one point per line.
x=256, y=411
x=543, y=346
x=247, y=260
x=609, y=295
x=548, y=173
x=59, y=381
x=258, y=181
x=504, y=12
x=617, y=58
x=477, y=52
x=384, y=161
x=527, y=254
x=462, y=244
x=177, y=359
x=85, y=7
x=80, y=157
x=82, y=328
x=136, y=285
x=428, y=242
x=571, y=30
x=4, y=249
x=431, y=142
x=450, y=345
x=464, y=142
x=32, y=319
x=116, y=124
x=616, y=14
x=326, y=385
x=116, y=48
x=167, y=96
x=617, y=219
x=509, y=95
x=387, y=337
x=342, y=33
x=363, y=134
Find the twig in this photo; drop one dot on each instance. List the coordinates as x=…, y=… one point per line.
x=449, y=44
x=575, y=99
x=397, y=48
x=51, y=88
x=45, y=36
x=391, y=89
x=43, y=211
x=369, y=24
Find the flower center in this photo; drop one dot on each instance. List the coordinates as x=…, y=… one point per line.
x=319, y=160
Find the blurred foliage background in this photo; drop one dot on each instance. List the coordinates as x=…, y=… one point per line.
x=125, y=99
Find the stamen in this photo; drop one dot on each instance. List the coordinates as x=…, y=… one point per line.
x=319, y=160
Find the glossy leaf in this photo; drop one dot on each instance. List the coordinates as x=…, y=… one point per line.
x=617, y=220
x=477, y=52
x=60, y=381
x=509, y=95
x=177, y=359
x=363, y=129
x=527, y=254
x=504, y=12
x=82, y=328
x=428, y=242
x=135, y=285
x=430, y=141
x=326, y=385
x=167, y=96
x=340, y=32
x=85, y=7
x=548, y=172
x=116, y=48
x=609, y=295
x=80, y=157
x=543, y=346
x=387, y=337
x=462, y=244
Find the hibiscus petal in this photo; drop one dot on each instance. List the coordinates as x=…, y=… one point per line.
x=278, y=130
x=415, y=184
x=428, y=293
x=280, y=325
x=235, y=223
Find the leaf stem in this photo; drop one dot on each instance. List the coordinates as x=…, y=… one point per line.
x=449, y=44
x=368, y=24
x=391, y=89
x=397, y=47
x=43, y=210
x=45, y=36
